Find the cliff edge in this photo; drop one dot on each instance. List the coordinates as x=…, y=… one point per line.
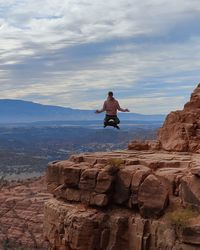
x=181, y=129
x=143, y=198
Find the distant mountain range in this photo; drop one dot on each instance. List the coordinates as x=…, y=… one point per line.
x=18, y=111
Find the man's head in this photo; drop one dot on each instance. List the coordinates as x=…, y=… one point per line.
x=110, y=94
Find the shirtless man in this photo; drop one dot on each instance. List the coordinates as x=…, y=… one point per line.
x=111, y=105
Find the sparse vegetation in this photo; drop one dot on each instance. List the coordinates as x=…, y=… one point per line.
x=182, y=216
x=116, y=162
x=114, y=165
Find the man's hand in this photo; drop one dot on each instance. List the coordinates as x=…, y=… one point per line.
x=127, y=110
x=97, y=111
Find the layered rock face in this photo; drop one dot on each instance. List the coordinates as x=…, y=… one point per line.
x=181, y=129
x=21, y=214
x=120, y=200
x=143, y=198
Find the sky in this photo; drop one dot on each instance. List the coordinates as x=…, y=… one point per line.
x=72, y=52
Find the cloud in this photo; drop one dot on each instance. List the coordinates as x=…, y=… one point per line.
x=72, y=52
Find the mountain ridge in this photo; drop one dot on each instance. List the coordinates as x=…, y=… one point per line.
x=15, y=110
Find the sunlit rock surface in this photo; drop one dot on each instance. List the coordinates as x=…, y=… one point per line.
x=181, y=129
x=121, y=200
x=143, y=198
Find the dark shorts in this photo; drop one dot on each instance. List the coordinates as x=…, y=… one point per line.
x=114, y=117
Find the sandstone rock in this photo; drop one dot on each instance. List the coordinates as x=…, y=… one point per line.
x=169, y=178
x=51, y=187
x=144, y=145
x=140, y=174
x=194, y=102
x=152, y=197
x=104, y=238
x=86, y=196
x=118, y=224
x=92, y=160
x=74, y=227
x=123, y=183
x=70, y=175
x=132, y=161
x=196, y=171
x=190, y=191
x=138, y=233
x=154, y=144
x=163, y=236
x=21, y=214
x=88, y=179
x=104, y=160
x=61, y=172
x=187, y=247
x=181, y=129
x=59, y=192
x=104, y=181
x=129, y=190
x=138, y=177
x=76, y=158
x=99, y=200
x=52, y=174
x=138, y=145
x=191, y=235
x=73, y=194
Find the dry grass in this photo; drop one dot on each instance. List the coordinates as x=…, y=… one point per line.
x=114, y=165
x=182, y=216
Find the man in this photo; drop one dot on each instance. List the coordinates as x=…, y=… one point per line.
x=111, y=105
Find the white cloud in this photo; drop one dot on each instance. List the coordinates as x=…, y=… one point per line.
x=69, y=22
x=33, y=33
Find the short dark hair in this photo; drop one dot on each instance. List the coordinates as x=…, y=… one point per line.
x=110, y=93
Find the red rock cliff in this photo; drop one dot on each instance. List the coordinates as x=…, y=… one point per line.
x=144, y=198
x=181, y=129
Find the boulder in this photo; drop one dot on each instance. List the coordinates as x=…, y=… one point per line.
x=70, y=175
x=104, y=181
x=99, y=200
x=73, y=194
x=191, y=235
x=138, y=177
x=152, y=197
x=123, y=183
x=138, y=145
x=195, y=171
x=144, y=145
x=88, y=179
x=190, y=191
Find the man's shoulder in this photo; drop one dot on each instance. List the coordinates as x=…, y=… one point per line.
x=116, y=101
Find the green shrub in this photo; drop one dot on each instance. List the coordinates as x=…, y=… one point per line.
x=114, y=165
x=115, y=162
x=182, y=216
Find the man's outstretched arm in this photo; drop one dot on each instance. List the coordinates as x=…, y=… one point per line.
x=121, y=109
x=101, y=110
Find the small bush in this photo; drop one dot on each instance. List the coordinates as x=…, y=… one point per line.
x=114, y=165
x=115, y=162
x=181, y=217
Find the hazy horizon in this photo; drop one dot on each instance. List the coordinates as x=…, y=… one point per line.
x=72, y=53
x=67, y=107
